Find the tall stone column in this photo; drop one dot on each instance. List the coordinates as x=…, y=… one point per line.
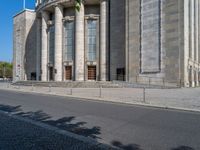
x=79, y=44
x=38, y=53
x=192, y=28
x=197, y=37
x=103, y=40
x=192, y=34
x=44, y=49
x=197, y=29
x=197, y=78
x=58, y=42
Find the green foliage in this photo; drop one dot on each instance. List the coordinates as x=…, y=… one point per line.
x=5, y=70
x=78, y=4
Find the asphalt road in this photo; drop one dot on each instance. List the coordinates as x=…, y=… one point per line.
x=124, y=126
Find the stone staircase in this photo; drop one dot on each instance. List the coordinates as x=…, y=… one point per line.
x=143, y=85
x=92, y=84
x=70, y=84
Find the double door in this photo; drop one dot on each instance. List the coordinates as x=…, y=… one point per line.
x=91, y=72
x=68, y=72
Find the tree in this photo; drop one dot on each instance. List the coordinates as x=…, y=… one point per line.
x=5, y=70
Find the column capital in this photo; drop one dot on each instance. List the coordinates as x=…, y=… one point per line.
x=45, y=15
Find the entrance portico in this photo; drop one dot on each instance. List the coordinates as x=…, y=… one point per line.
x=79, y=37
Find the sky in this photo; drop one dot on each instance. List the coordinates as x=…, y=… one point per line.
x=8, y=8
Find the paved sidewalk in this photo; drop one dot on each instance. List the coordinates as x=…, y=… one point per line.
x=183, y=98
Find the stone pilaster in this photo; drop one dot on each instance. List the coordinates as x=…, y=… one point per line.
x=58, y=42
x=44, y=49
x=103, y=40
x=79, y=44
x=38, y=53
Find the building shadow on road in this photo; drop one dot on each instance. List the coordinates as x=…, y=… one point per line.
x=183, y=148
x=68, y=123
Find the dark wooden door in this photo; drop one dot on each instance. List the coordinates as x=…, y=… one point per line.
x=51, y=74
x=68, y=73
x=91, y=72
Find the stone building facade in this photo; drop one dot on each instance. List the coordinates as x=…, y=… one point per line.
x=143, y=41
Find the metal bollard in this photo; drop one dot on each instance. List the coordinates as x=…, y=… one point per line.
x=32, y=88
x=71, y=91
x=163, y=83
x=149, y=82
x=49, y=88
x=8, y=85
x=136, y=79
x=144, y=95
x=100, y=92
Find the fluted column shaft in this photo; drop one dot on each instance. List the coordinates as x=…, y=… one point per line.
x=38, y=53
x=58, y=42
x=103, y=40
x=79, y=46
x=197, y=29
x=44, y=49
x=192, y=36
x=197, y=37
x=192, y=28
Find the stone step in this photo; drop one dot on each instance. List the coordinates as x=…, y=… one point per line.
x=95, y=84
x=74, y=84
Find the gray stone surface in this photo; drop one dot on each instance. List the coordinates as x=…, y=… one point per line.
x=24, y=52
x=117, y=37
x=150, y=36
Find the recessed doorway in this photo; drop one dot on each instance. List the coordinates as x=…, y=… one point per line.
x=68, y=72
x=91, y=72
x=51, y=74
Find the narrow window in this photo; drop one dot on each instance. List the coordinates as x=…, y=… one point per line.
x=91, y=39
x=51, y=44
x=69, y=41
